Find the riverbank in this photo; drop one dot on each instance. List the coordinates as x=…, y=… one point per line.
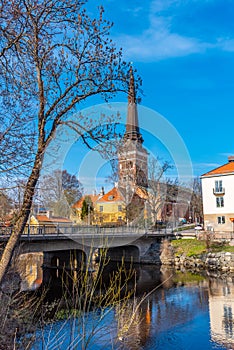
x=198, y=255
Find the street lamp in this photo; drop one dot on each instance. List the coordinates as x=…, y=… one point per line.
x=189, y=213
x=232, y=220
x=89, y=214
x=145, y=216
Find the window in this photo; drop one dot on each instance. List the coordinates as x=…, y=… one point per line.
x=228, y=320
x=101, y=208
x=221, y=220
x=111, y=198
x=129, y=165
x=119, y=207
x=218, y=186
x=219, y=202
x=226, y=291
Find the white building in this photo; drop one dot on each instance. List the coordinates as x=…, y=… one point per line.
x=218, y=198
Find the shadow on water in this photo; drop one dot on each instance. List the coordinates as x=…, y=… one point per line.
x=172, y=309
x=141, y=279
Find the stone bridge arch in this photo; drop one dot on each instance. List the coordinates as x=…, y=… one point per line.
x=129, y=253
x=68, y=259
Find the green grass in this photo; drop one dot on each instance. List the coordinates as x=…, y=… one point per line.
x=193, y=247
x=222, y=248
x=189, y=247
x=184, y=228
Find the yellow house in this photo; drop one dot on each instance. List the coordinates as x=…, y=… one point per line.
x=110, y=208
x=77, y=208
x=45, y=223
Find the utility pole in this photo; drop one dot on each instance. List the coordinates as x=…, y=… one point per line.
x=89, y=214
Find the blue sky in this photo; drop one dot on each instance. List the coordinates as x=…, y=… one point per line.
x=184, y=52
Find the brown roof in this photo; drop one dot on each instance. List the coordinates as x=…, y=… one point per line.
x=223, y=169
x=44, y=218
x=78, y=204
x=114, y=195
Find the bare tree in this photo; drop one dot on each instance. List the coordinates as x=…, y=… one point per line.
x=157, y=192
x=61, y=58
x=5, y=206
x=114, y=175
x=17, y=128
x=12, y=28
x=58, y=191
x=196, y=205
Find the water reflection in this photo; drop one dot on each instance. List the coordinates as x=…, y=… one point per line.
x=221, y=308
x=170, y=310
x=29, y=266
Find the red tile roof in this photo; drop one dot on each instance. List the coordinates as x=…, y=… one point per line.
x=227, y=168
x=44, y=218
x=113, y=195
x=78, y=204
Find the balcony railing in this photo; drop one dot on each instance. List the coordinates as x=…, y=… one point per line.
x=219, y=191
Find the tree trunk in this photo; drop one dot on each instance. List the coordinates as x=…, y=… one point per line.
x=23, y=216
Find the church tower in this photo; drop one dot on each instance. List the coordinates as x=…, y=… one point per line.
x=133, y=157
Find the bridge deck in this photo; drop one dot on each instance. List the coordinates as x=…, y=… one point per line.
x=121, y=234
x=52, y=232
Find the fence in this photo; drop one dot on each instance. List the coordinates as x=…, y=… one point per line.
x=43, y=230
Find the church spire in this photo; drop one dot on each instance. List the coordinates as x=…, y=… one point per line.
x=132, y=126
x=131, y=88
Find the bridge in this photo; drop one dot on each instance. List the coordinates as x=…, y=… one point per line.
x=51, y=238
x=69, y=246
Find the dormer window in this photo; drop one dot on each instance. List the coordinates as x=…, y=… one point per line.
x=111, y=198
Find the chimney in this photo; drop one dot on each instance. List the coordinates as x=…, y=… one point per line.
x=231, y=158
x=49, y=214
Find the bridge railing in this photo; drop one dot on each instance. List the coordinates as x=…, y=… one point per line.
x=44, y=230
x=76, y=230
x=5, y=230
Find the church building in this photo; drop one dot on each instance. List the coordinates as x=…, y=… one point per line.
x=125, y=202
x=133, y=157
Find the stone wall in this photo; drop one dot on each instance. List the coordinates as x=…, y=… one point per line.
x=162, y=253
x=222, y=261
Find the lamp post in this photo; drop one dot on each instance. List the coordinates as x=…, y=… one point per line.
x=175, y=215
x=89, y=214
x=145, y=216
x=190, y=212
x=232, y=220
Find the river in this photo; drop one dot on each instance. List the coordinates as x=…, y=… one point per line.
x=173, y=310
